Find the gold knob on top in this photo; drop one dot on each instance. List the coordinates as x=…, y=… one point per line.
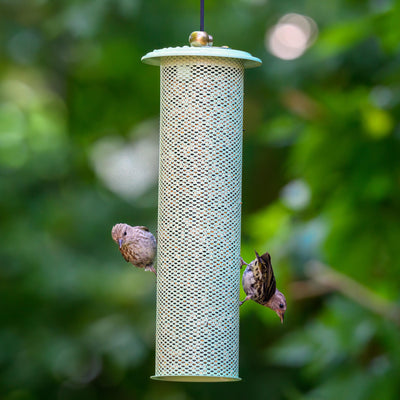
x=200, y=39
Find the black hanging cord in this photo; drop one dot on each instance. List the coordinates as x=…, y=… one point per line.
x=202, y=15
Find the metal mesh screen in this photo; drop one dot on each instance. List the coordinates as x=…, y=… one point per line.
x=197, y=336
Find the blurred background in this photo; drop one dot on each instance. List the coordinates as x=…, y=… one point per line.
x=321, y=191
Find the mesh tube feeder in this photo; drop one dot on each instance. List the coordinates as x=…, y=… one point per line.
x=199, y=210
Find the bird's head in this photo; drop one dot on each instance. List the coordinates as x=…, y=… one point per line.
x=119, y=233
x=278, y=304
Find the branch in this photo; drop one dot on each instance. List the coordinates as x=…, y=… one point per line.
x=324, y=279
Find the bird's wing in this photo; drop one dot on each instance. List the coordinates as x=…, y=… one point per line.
x=143, y=228
x=268, y=277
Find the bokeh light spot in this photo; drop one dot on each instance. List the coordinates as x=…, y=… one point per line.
x=296, y=195
x=378, y=123
x=128, y=169
x=291, y=36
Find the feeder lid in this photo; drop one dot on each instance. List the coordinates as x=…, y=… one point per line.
x=154, y=57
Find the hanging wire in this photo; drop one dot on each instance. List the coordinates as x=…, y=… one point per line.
x=202, y=15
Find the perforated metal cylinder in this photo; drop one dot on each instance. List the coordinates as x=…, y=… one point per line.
x=199, y=216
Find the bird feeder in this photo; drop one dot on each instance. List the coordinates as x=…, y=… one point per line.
x=199, y=210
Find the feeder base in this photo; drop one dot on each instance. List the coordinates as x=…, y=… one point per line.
x=194, y=378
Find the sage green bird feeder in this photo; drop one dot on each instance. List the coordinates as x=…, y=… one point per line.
x=199, y=210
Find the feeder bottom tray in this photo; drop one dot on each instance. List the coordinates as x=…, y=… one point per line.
x=194, y=378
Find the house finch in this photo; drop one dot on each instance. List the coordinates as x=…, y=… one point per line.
x=259, y=284
x=136, y=244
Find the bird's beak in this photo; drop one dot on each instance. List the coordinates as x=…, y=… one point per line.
x=120, y=242
x=280, y=315
x=258, y=257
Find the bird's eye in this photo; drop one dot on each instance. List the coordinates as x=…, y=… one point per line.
x=125, y=233
x=281, y=305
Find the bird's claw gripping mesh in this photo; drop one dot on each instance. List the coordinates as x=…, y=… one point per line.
x=199, y=213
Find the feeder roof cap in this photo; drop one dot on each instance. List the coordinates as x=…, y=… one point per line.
x=154, y=57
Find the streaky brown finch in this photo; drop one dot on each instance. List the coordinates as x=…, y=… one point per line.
x=137, y=245
x=259, y=283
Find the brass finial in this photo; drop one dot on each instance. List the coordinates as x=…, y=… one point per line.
x=200, y=39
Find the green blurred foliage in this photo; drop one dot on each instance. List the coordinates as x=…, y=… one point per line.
x=321, y=181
